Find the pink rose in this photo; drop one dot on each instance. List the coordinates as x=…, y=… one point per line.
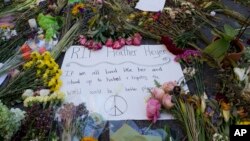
x=89, y=44
x=82, y=40
x=96, y=46
x=158, y=93
x=138, y=35
x=117, y=45
x=122, y=41
x=129, y=41
x=167, y=101
x=169, y=86
x=136, y=41
x=153, y=109
x=109, y=42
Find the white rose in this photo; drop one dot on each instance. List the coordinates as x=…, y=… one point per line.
x=27, y=93
x=44, y=92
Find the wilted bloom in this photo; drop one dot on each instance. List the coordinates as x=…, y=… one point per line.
x=153, y=109
x=117, y=45
x=14, y=73
x=241, y=111
x=167, y=101
x=168, y=42
x=169, y=86
x=109, y=42
x=158, y=93
x=129, y=41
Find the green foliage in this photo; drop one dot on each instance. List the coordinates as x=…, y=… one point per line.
x=219, y=48
x=50, y=24
x=10, y=121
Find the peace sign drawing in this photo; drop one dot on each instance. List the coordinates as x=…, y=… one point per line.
x=116, y=105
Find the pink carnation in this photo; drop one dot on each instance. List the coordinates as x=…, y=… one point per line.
x=158, y=93
x=153, y=109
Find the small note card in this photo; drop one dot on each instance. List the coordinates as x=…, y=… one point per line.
x=151, y=5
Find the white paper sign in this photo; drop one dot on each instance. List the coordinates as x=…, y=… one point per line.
x=151, y=5
x=115, y=83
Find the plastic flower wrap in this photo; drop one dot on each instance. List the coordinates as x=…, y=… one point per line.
x=94, y=125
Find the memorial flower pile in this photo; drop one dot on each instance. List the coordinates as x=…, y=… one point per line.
x=34, y=34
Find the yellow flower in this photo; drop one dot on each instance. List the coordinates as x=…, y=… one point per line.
x=246, y=122
x=88, y=139
x=28, y=65
x=45, y=76
x=52, y=82
x=35, y=55
x=40, y=64
x=48, y=63
x=38, y=73
x=77, y=8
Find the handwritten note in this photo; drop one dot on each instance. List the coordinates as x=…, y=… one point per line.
x=116, y=83
x=151, y=5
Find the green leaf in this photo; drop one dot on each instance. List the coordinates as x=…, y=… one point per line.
x=217, y=49
x=157, y=84
x=73, y=1
x=230, y=31
x=49, y=24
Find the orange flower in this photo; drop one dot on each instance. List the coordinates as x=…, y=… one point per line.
x=88, y=139
x=25, y=48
